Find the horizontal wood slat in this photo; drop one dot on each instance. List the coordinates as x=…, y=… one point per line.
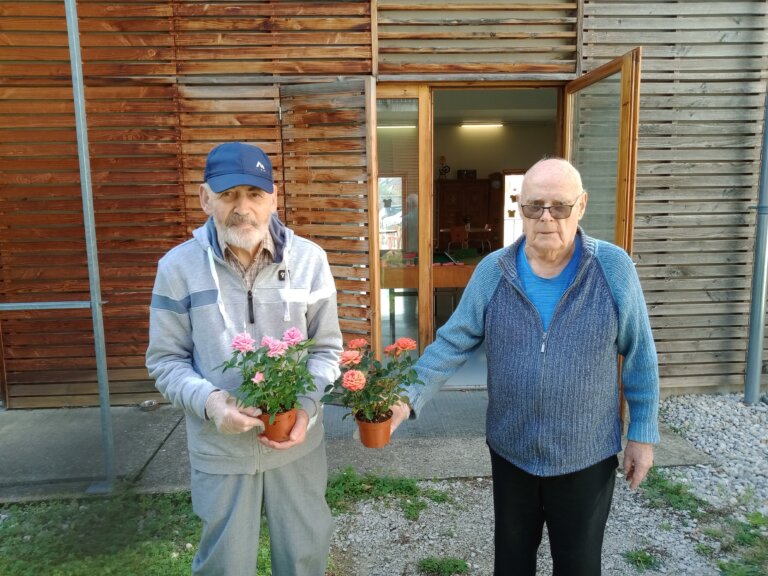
x=701, y=121
x=480, y=37
x=332, y=156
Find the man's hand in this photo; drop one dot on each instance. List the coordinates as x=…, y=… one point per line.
x=228, y=417
x=297, y=436
x=400, y=412
x=638, y=459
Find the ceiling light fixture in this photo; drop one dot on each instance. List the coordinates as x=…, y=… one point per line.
x=399, y=126
x=481, y=124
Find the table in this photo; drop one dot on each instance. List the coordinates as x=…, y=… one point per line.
x=443, y=276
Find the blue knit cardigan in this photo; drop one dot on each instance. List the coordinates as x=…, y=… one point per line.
x=553, y=397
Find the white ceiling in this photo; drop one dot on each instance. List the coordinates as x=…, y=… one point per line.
x=499, y=105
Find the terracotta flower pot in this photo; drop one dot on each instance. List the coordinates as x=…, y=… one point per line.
x=280, y=429
x=374, y=434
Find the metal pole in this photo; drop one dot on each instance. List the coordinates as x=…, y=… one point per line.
x=107, y=440
x=760, y=266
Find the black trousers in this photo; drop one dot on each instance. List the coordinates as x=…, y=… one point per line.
x=574, y=506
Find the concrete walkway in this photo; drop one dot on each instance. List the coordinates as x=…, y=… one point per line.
x=58, y=452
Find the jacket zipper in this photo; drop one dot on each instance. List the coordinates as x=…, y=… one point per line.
x=251, y=319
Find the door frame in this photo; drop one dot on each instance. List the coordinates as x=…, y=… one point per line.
x=628, y=64
x=629, y=67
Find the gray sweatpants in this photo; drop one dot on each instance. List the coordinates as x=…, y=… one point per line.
x=300, y=523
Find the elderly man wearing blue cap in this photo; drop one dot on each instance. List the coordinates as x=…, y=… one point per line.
x=245, y=271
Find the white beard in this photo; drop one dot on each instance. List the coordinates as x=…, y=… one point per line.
x=248, y=238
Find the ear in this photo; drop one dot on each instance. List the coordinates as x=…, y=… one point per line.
x=205, y=200
x=273, y=199
x=582, y=205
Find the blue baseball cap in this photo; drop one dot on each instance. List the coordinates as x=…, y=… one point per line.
x=238, y=164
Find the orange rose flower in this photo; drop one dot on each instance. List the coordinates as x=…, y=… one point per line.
x=391, y=350
x=404, y=344
x=357, y=343
x=353, y=380
x=350, y=357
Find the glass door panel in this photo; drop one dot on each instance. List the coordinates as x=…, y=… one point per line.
x=594, y=151
x=601, y=118
x=398, y=216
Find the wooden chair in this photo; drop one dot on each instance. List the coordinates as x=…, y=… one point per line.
x=459, y=236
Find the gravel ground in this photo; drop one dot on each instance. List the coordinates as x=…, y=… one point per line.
x=375, y=539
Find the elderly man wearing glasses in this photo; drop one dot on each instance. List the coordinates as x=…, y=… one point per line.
x=556, y=310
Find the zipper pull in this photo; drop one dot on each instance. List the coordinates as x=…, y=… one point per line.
x=543, y=342
x=251, y=319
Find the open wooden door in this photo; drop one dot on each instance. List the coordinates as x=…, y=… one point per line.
x=329, y=184
x=601, y=114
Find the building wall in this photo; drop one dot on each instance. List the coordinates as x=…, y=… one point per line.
x=701, y=119
x=166, y=80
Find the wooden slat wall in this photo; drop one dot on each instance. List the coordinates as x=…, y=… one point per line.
x=439, y=37
x=702, y=95
x=133, y=134
x=326, y=197
x=165, y=81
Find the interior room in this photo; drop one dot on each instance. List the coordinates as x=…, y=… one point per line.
x=483, y=140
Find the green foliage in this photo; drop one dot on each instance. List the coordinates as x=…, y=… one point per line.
x=127, y=534
x=641, y=559
x=661, y=492
x=348, y=487
x=368, y=387
x=705, y=550
x=444, y=566
x=272, y=381
x=739, y=568
x=412, y=507
x=437, y=496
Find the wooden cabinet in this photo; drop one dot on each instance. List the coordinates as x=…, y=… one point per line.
x=479, y=203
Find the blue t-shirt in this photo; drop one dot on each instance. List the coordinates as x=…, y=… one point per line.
x=545, y=293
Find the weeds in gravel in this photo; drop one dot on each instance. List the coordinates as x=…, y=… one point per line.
x=348, y=487
x=152, y=535
x=642, y=560
x=746, y=543
x=663, y=493
x=445, y=566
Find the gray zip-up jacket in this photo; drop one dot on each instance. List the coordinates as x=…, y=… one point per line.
x=200, y=303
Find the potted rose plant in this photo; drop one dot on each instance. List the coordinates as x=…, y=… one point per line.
x=369, y=388
x=273, y=375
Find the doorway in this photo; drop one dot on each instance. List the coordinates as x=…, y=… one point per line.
x=456, y=154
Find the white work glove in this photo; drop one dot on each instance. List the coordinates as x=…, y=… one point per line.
x=227, y=416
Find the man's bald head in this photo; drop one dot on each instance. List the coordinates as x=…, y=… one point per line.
x=550, y=171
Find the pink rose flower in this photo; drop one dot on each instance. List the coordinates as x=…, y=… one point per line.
x=353, y=380
x=293, y=336
x=258, y=377
x=350, y=357
x=357, y=343
x=404, y=344
x=244, y=343
x=276, y=347
x=391, y=350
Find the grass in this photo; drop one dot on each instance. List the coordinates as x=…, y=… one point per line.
x=127, y=534
x=642, y=560
x=445, y=566
x=663, y=493
x=151, y=534
x=748, y=543
x=745, y=542
x=348, y=487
